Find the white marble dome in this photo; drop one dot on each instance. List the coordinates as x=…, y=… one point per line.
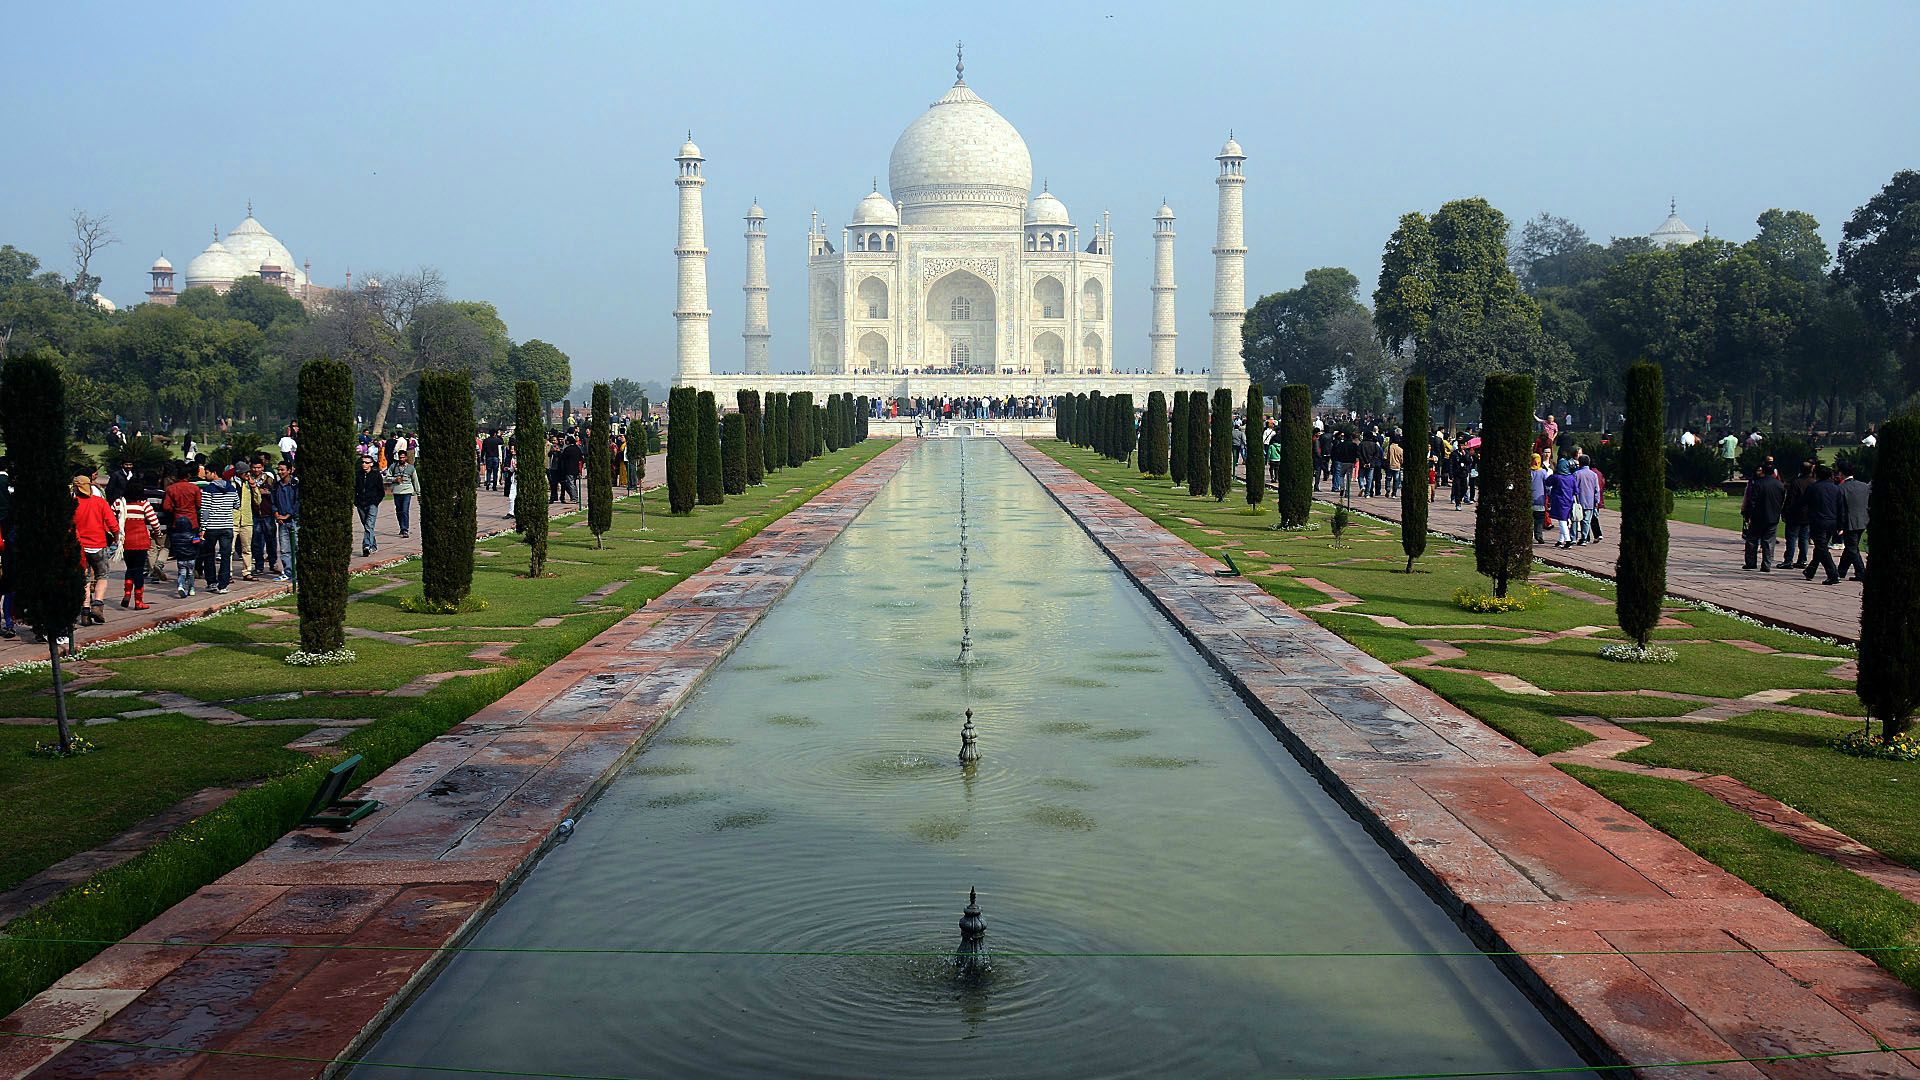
x=960, y=162
x=161, y=264
x=875, y=210
x=214, y=266
x=254, y=246
x=1045, y=209
x=1673, y=232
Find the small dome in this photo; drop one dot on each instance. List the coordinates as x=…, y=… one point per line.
x=103, y=303
x=688, y=150
x=1673, y=232
x=754, y=212
x=1231, y=150
x=1166, y=212
x=875, y=210
x=214, y=266
x=1046, y=210
x=162, y=264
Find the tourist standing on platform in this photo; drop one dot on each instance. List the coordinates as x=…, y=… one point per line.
x=139, y=525
x=263, y=547
x=1563, y=494
x=405, y=486
x=1537, y=480
x=1826, y=508
x=242, y=521
x=286, y=519
x=1587, y=494
x=368, y=489
x=490, y=458
x=219, y=514
x=1854, y=496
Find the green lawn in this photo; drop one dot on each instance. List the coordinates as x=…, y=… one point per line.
x=55, y=809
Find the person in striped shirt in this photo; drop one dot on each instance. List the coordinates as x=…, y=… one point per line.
x=219, y=503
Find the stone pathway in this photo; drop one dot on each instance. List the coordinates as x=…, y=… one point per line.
x=1646, y=951
x=492, y=519
x=1703, y=563
x=462, y=817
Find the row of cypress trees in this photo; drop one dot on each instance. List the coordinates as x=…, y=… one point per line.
x=710, y=457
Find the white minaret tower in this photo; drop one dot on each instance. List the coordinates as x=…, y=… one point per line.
x=757, y=334
x=691, y=314
x=1229, y=268
x=1161, y=340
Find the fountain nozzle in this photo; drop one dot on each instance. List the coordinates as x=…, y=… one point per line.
x=972, y=957
x=969, y=743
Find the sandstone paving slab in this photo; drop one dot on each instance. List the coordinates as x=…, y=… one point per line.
x=1527, y=858
x=465, y=813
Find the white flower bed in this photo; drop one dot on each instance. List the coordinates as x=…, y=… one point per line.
x=321, y=659
x=1626, y=652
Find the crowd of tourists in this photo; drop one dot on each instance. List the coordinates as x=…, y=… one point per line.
x=1010, y=407
x=1820, y=506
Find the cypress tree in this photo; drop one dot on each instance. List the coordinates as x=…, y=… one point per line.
x=1889, y=682
x=447, y=513
x=1294, y=496
x=865, y=408
x=1062, y=417
x=43, y=556
x=1153, y=436
x=1503, y=517
x=637, y=464
x=683, y=449
x=529, y=454
x=327, y=467
x=833, y=422
x=733, y=453
x=600, y=464
x=1640, y=574
x=1199, y=444
x=819, y=445
x=1413, y=491
x=1177, y=440
x=799, y=412
x=1220, y=477
x=1096, y=423
x=755, y=455
x=776, y=431
x=1126, y=434
x=1256, y=436
x=849, y=421
x=711, y=486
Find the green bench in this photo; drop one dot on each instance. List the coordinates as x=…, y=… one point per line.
x=329, y=809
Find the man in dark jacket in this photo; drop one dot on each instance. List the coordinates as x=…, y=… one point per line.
x=1794, y=514
x=1853, y=521
x=369, y=489
x=1761, y=512
x=571, y=457
x=490, y=457
x=1826, y=508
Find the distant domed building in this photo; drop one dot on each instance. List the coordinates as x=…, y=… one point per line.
x=1673, y=232
x=249, y=250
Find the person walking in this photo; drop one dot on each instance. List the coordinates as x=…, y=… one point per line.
x=1826, y=508
x=139, y=525
x=490, y=458
x=98, y=532
x=572, y=457
x=405, y=486
x=1760, y=511
x=1587, y=497
x=243, y=523
x=1854, y=496
x=368, y=489
x=1396, y=464
x=1794, y=515
x=219, y=516
x=263, y=547
x=1563, y=493
x=286, y=519
x=1537, y=481
x=1370, y=465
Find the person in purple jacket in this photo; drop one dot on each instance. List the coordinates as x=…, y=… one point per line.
x=1586, y=495
x=1562, y=498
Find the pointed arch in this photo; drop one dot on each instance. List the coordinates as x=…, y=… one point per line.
x=872, y=352
x=1049, y=353
x=1093, y=353
x=871, y=302
x=1049, y=298
x=1093, y=301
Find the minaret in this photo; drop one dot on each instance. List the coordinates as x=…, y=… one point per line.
x=1229, y=269
x=691, y=314
x=757, y=334
x=1161, y=340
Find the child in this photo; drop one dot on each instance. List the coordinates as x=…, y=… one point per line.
x=183, y=542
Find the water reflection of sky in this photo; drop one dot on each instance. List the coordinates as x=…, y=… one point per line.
x=1126, y=803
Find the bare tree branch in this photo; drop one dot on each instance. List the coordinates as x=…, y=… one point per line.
x=91, y=234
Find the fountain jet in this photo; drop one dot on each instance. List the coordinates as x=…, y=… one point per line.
x=971, y=959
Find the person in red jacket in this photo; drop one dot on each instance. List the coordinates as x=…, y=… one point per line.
x=138, y=526
x=97, y=530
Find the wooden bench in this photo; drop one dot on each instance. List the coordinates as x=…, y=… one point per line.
x=329, y=809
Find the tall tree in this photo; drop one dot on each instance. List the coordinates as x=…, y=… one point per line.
x=600, y=463
x=92, y=234
x=1256, y=425
x=447, y=494
x=1295, y=495
x=1889, y=683
x=1220, y=475
x=1503, y=525
x=1293, y=336
x=1415, y=422
x=1153, y=436
x=1640, y=573
x=733, y=453
x=43, y=556
x=1880, y=256
x=749, y=401
x=529, y=453
x=370, y=327
x=712, y=486
x=1177, y=443
x=683, y=449
x=776, y=431
x=326, y=504
x=1199, y=444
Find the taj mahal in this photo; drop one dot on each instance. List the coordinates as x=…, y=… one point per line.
x=959, y=280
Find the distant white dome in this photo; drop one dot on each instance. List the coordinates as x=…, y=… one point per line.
x=1673, y=232
x=1165, y=211
x=103, y=303
x=875, y=210
x=214, y=266
x=688, y=150
x=957, y=159
x=755, y=212
x=161, y=264
x=1047, y=210
x=1232, y=149
x=255, y=247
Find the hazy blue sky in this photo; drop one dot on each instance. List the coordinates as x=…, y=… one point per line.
x=525, y=149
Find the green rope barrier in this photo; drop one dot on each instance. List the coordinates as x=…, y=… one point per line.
x=1025, y=954
x=496, y=1071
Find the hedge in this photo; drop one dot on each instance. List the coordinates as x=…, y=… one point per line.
x=530, y=463
x=447, y=512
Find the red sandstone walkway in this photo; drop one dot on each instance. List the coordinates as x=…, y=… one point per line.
x=492, y=517
x=1703, y=563
x=1648, y=952
x=465, y=815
